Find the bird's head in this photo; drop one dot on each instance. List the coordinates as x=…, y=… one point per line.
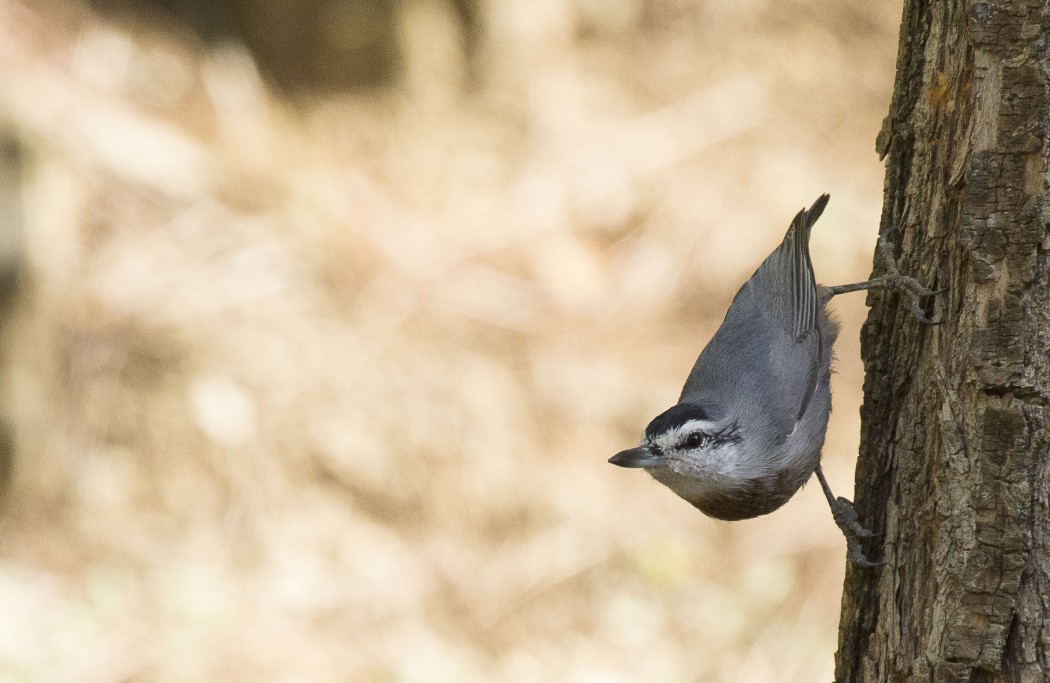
x=686, y=438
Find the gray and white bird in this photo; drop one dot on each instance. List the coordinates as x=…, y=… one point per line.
x=749, y=426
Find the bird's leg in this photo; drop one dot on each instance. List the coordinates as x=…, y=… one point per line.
x=847, y=520
x=903, y=284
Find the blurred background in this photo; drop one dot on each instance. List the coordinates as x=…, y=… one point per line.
x=321, y=318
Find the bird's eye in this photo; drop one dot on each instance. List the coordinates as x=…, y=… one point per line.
x=694, y=440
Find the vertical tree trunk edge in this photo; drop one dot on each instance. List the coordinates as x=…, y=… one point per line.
x=953, y=463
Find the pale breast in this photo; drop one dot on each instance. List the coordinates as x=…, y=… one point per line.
x=739, y=498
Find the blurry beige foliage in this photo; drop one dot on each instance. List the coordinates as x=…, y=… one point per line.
x=326, y=395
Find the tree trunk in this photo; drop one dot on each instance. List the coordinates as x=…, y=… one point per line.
x=953, y=464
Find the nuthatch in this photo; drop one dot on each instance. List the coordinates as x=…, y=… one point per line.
x=749, y=426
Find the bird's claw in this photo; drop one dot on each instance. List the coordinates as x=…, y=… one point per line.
x=846, y=516
x=904, y=285
x=856, y=555
x=848, y=521
x=920, y=315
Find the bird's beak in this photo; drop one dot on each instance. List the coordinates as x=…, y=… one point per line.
x=643, y=456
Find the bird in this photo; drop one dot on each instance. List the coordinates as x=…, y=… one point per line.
x=749, y=426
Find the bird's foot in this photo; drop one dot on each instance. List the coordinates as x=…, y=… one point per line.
x=905, y=285
x=847, y=520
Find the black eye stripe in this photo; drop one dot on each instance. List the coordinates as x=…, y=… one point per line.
x=730, y=434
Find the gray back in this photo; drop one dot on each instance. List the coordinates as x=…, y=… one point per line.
x=762, y=366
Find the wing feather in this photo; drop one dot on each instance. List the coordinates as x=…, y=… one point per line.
x=770, y=330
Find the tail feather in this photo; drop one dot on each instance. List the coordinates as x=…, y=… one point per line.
x=801, y=283
x=804, y=293
x=772, y=329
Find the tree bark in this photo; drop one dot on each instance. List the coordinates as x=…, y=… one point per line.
x=953, y=464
